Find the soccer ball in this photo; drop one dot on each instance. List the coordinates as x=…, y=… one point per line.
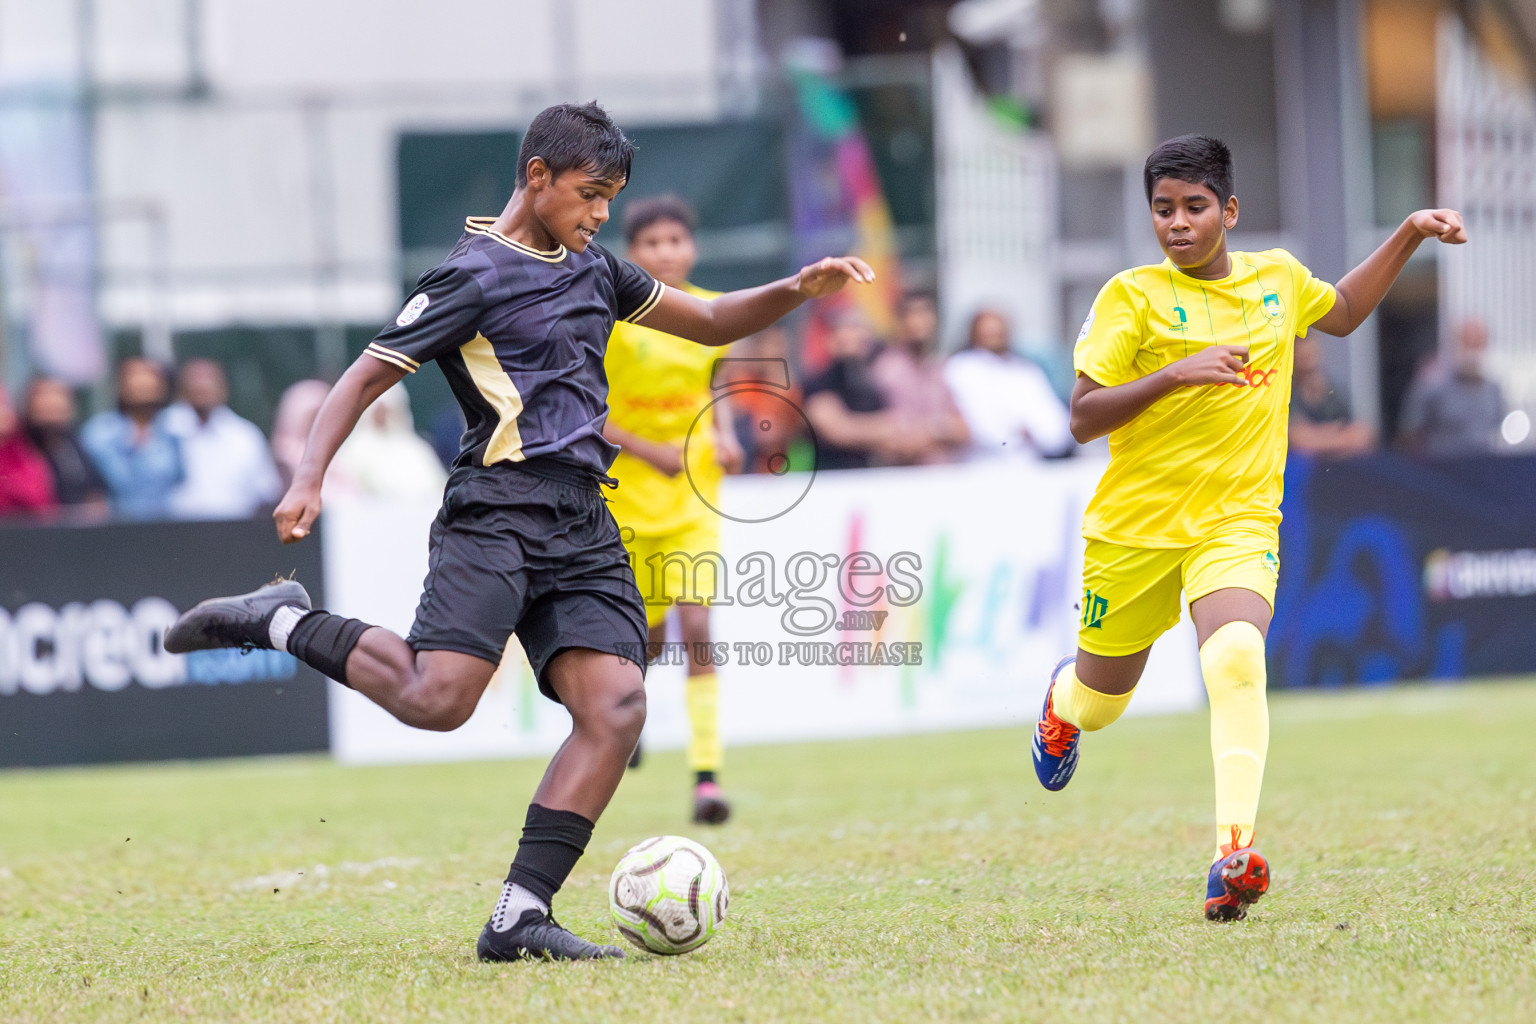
x=668, y=894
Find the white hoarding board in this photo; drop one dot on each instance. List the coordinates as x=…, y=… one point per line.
x=885, y=601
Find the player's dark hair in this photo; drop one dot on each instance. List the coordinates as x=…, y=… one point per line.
x=642, y=213
x=584, y=137
x=1199, y=159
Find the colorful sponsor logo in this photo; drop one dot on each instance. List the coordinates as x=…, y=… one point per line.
x=412, y=310
x=1256, y=377
x=1183, y=322
x=1461, y=575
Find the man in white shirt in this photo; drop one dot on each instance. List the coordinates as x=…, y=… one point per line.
x=1006, y=399
x=229, y=469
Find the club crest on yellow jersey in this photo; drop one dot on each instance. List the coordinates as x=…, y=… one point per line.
x=1272, y=307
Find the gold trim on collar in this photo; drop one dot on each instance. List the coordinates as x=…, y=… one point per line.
x=482, y=226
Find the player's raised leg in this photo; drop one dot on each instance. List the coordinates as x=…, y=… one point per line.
x=1231, y=625
x=240, y=621
x=435, y=690
x=605, y=695
x=439, y=689
x=1087, y=692
x=1130, y=598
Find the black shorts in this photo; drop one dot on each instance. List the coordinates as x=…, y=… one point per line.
x=528, y=549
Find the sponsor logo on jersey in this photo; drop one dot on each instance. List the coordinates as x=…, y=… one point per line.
x=1271, y=564
x=412, y=310
x=1256, y=377
x=1272, y=307
x=1087, y=325
x=1183, y=322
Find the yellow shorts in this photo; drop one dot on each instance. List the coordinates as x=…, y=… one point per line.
x=1131, y=595
x=683, y=565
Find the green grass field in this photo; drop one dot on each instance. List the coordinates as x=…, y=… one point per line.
x=894, y=879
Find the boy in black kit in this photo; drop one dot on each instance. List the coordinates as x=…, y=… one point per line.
x=517, y=317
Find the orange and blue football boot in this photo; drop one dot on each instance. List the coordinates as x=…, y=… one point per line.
x=1237, y=879
x=1055, y=744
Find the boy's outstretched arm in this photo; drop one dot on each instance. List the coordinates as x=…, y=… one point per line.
x=734, y=315
x=1096, y=409
x=364, y=381
x=1363, y=288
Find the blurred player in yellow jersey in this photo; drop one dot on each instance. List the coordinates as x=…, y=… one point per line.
x=658, y=386
x=1186, y=365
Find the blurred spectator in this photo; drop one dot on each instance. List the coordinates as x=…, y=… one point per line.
x=50, y=420
x=1005, y=398
x=1321, y=423
x=138, y=457
x=766, y=402
x=26, y=481
x=384, y=456
x=1455, y=410
x=296, y=412
x=912, y=381
x=229, y=470
x=853, y=428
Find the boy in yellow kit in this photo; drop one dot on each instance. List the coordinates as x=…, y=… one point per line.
x=658, y=386
x=1186, y=365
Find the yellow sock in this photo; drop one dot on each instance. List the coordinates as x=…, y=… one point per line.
x=704, y=750
x=1087, y=709
x=1232, y=660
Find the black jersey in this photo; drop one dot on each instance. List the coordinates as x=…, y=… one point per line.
x=520, y=334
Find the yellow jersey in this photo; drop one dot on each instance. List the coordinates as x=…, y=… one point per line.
x=658, y=384
x=1198, y=456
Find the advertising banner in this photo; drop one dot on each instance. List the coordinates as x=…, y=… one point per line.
x=1395, y=569
x=83, y=677
x=845, y=604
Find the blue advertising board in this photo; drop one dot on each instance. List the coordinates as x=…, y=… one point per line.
x=83, y=675
x=1396, y=568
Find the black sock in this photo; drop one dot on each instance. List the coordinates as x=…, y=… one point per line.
x=323, y=641
x=699, y=778
x=553, y=841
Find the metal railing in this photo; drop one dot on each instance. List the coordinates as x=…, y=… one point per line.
x=1487, y=169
